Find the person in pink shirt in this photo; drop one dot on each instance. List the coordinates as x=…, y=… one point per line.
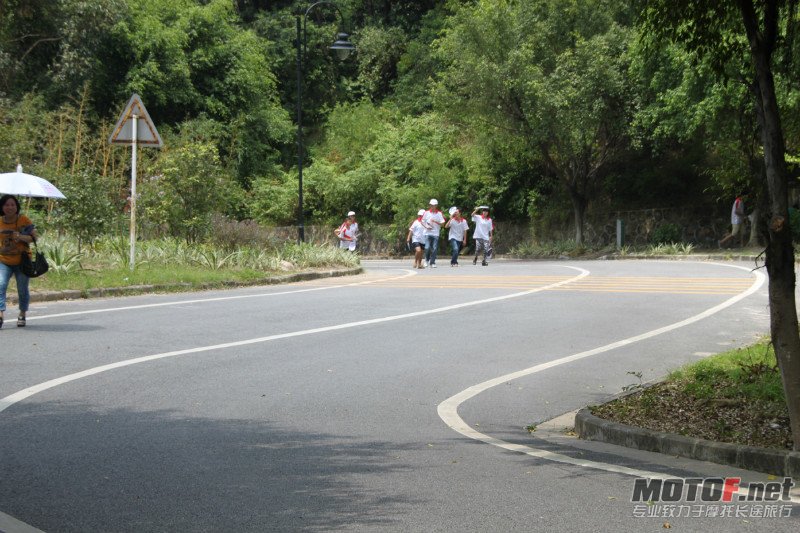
x=737, y=222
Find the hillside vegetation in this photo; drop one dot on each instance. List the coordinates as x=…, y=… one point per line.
x=546, y=110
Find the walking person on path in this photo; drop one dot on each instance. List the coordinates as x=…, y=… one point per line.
x=348, y=232
x=737, y=222
x=16, y=233
x=433, y=219
x=416, y=239
x=484, y=231
x=457, y=235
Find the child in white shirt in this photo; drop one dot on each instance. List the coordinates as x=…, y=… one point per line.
x=416, y=239
x=457, y=235
x=484, y=230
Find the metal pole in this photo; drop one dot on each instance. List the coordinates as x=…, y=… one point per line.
x=301, y=50
x=300, y=217
x=133, y=192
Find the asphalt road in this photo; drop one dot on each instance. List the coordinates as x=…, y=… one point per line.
x=396, y=400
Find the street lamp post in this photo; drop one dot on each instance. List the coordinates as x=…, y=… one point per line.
x=343, y=48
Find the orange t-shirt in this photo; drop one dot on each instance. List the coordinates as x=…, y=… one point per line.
x=9, y=250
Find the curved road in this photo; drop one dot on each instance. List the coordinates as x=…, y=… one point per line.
x=396, y=400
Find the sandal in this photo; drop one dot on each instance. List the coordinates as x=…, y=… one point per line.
x=21, y=322
x=1, y=322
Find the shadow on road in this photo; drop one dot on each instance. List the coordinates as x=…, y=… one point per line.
x=72, y=467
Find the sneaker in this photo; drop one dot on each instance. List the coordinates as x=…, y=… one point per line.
x=433, y=265
x=475, y=261
x=485, y=263
x=425, y=264
x=21, y=322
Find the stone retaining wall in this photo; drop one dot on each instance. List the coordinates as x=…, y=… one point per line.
x=701, y=227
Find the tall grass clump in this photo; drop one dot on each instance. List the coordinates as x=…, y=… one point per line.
x=62, y=254
x=672, y=248
x=310, y=255
x=568, y=248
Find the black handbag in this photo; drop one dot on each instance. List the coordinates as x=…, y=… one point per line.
x=36, y=267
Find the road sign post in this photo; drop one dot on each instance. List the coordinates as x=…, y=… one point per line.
x=128, y=131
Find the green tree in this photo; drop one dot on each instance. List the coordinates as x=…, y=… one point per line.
x=188, y=60
x=89, y=209
x=553, y=73
x=682, y=100
x=418, y=66
x=762, y=31
x=23, y=131
x=186, y=187
x=379, y=50
x=53, y=46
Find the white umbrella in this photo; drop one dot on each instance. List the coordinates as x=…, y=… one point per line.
x=21, y=184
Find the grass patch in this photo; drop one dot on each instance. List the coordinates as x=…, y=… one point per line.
x=750, y=373
x=105, y=264
x=110, y=277
x=567, y=248
x=670, y=248
x=734, y=397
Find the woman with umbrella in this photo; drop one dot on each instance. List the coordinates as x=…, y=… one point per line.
x=16, y=233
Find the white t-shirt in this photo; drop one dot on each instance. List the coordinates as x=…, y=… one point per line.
x=432, y=222
x=483, y=227
x=736, y=218
x=417, y=231
x=348, y=235
x=458, y=229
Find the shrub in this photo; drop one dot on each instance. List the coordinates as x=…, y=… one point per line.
x=567, y=248
x=666, y=234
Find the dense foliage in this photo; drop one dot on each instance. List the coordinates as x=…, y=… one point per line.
x=542, y=108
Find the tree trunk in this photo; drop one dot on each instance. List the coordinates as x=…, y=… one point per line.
x=579, y=205
x=753, y=242
x=780, y=252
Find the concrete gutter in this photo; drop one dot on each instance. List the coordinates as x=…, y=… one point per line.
x=49, y=296
x=720, y=256
x=783, y=463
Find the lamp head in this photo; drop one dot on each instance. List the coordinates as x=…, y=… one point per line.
x=343, y=46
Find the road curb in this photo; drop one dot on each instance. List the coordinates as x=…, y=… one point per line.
x=50, y=296
x=783, y=463
x=676, y=257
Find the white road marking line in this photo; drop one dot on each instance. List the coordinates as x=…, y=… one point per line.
x=16, y=397
x=9, y=524
x=448, y=409
x=408, y=273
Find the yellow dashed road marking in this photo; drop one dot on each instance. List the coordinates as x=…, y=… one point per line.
x=670, y=285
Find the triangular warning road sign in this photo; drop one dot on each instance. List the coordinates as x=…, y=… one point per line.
x=146, y=132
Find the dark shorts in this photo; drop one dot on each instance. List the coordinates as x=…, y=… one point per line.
x=415, y=245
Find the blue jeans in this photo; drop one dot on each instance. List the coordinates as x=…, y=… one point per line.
x=431, y=248
x=6, y=272
x=455, y=249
